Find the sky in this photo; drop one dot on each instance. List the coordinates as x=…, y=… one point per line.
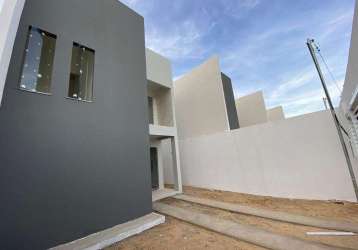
x=261, y=44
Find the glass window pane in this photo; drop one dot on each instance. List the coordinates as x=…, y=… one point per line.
x=81, y=76
x=38, y=61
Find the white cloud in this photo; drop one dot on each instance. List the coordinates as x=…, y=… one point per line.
x=181, y=42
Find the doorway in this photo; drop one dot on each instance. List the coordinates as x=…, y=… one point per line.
x=154, y=167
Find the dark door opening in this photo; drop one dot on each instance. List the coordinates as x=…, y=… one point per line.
x=154, y=167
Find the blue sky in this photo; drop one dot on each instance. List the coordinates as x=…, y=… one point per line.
x=261, y=43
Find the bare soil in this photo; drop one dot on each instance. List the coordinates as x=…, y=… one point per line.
x=288, y=229
x=339, y=210
x=176, y=234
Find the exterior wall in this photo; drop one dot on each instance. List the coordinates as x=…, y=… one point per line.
x=159, y=69
x=10, y=13
x=164, y=131
x=275, y=114
x=230, y=102
x=199, y=101
x=71, y=168
x=351, y=82
x=349, y=97
x=299, y=157
x=251, y=109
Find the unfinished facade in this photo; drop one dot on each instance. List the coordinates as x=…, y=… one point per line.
x=204, y=101
x=164, y=152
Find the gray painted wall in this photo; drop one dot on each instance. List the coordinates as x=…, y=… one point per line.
x=230, y=102
x=69, y=168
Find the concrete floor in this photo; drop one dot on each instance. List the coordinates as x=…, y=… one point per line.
x=163, y=193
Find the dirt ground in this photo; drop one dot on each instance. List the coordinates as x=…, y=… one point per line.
x=176, y=234
x=282, y=228
x=346, y=211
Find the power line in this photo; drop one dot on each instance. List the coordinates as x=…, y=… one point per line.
x=328, y=69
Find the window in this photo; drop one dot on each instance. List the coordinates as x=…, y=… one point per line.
x=38, y=61
x=81, y=76
x=151, y=110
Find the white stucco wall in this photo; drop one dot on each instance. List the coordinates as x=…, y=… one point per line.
x=351, y=81
x=251, y=109
x=200, y=102
x=159, y=69
x=275, y=114
x=299, y=157
x=10, y=13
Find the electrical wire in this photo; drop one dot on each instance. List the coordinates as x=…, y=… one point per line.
x=328, y=69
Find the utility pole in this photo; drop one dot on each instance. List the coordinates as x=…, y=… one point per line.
x=312, y=46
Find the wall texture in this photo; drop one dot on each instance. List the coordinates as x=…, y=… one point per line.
x=299, y=157
x=251, y=109
x=275, y=114
x=159, y=69
x=200, y=102
x=69, y=168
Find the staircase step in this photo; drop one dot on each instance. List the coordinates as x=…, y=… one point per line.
x=242, y=232
x=274, y=215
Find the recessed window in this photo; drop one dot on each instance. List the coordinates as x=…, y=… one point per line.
x=81, y=76
x=38, y=61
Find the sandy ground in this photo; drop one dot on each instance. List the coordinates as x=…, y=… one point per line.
x=175, y=234
x=347, y=211
x=283, y=228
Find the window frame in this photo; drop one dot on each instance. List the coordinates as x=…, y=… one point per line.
x=24, y=60
x=93, y=77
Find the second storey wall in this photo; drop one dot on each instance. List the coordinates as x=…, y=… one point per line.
x=71, y=168
x=200, y=101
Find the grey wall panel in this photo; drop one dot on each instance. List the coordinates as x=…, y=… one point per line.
x=69, y=168
x=230, y=102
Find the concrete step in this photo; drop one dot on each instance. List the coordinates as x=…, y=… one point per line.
x=274, y=215
x=246, y=233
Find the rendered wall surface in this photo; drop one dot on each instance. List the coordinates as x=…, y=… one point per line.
x=200, y=101
x=299, y=157
x=159, y=69
x=70, y=168
x=251, y=109
x=230, y=102
x=10, y=13
x=275, y=114
x=351, y=81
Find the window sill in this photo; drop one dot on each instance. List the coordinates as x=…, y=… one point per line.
x=34, y=92
x=76, y=99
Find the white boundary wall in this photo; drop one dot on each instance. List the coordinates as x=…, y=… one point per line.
x=299, y=157
x=10, y=13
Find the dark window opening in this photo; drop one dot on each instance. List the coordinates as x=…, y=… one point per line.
x=151, y=110
x=154, y=167
x=81, y=76
x=38, y=61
